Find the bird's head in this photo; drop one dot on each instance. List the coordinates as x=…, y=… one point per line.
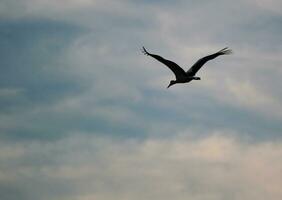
x=172, y=82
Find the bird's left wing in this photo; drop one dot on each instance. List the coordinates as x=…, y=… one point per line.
x=195, y=68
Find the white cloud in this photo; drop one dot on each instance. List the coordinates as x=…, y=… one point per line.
x=248, y=95
x=37, y=6
x=268, y=5
x=181, y=167
x=243, y=93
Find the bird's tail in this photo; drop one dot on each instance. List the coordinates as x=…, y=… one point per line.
x=225, y=51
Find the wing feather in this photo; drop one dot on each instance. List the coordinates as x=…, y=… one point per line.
x=175, y=68
x=197, y=66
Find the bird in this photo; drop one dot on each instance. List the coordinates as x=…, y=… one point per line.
x=180, y=75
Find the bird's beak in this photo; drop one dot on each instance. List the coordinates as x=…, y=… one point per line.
x=169, y=85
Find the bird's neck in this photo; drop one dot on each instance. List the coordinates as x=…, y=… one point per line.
x=196, y=78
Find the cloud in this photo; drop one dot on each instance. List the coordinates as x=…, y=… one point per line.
x=181, y=167
x=10, y=92
x=80, y=67
x=272, y=5
x=84, y=115
x=244, y=94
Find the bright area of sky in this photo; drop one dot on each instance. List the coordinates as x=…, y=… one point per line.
x=85, y=115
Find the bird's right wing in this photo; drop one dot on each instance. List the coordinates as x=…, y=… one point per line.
x=195, y=68
x=175, y=68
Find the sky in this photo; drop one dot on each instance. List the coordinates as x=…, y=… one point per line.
x=84, y=115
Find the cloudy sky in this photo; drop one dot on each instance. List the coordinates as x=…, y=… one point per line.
x=84, y=115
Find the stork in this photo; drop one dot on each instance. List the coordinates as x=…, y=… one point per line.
x=180, y=75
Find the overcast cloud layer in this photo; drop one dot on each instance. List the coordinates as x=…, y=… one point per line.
x=85, y=115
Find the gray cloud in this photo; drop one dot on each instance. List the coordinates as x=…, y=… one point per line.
x=84, y=115
x=99, y=80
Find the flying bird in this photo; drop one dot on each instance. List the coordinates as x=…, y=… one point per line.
x=180, y=75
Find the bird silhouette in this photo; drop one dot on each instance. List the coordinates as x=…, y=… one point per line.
x=180, y=75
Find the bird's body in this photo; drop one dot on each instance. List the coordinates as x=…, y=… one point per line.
x=182, y=76
x=186, y=79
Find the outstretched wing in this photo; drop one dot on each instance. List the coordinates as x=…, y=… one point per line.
x=195, y=68
x=175, y=68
